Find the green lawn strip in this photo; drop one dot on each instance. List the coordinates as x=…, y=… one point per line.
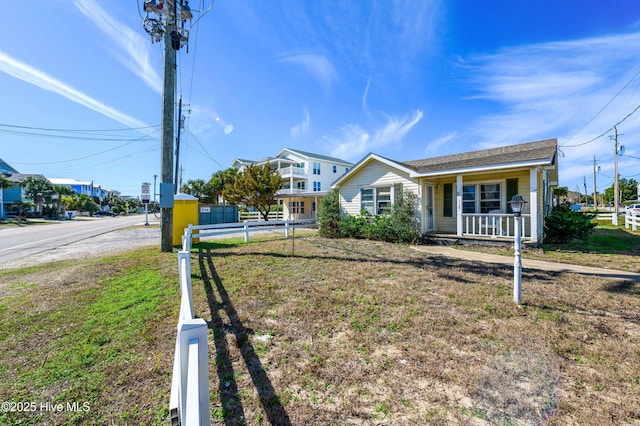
x=66, y=354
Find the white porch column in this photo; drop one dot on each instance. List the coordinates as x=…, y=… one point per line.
x=533, y=204
x=459, y=223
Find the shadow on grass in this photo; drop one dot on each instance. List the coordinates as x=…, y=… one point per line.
x=628, y=287
x=218, y=299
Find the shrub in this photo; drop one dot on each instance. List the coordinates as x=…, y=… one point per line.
x=562, y=225
x=399, y=226
x=329, y=214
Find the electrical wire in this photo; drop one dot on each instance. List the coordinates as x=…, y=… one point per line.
x=605, y=132
x=205, y=150
x=89, y=155
x=604, y=107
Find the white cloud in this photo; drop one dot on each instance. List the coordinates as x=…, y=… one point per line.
x=132, y=48
x=302, y=128
x=354, y=141
x=571, y=90
x=432, y=148
x=318, y=66
x=36, y=77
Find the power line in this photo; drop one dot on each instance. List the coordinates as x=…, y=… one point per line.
x=605, y=132
x=92, y=155
x=604, y=107
x=78, y=130
x=205, y=150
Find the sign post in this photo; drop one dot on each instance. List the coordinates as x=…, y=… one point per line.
x=145, y=198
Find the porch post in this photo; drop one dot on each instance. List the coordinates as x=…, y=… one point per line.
x=533, y=204
x=459, y=223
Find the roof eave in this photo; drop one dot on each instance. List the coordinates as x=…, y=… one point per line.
x=489, y=167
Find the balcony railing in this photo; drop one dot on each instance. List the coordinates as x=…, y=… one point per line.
x=494, y=225
x=292, y=170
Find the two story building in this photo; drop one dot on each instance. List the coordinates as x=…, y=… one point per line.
x=306, y=178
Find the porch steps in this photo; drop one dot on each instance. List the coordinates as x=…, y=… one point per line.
x=449, y=240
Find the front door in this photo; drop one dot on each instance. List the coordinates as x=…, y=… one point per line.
x=428, y=208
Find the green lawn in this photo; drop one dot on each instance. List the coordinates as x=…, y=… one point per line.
x=339, y=332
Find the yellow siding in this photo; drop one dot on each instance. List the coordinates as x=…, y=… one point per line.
x=448, y=224
x=373, y=174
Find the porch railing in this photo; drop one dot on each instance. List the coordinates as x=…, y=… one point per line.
x=494, y=225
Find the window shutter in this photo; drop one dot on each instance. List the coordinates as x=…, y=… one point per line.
x=448, y=200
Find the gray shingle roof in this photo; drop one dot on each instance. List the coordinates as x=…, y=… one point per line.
x=320, y=157
x=539, y=151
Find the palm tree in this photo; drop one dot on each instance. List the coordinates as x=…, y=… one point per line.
x=561, y=191
x=37, y=188
x=220, y=179
x=62, y=191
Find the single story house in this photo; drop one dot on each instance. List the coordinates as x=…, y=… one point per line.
x=466, y=195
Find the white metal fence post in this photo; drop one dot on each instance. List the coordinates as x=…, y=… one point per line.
x=246, y=232
x=286, y=228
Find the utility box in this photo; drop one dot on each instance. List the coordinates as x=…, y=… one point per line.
x=185, y=213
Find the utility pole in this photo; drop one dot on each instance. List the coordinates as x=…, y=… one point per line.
x=595, y=199
x=175, y=186
x=168, y=114
x=586, y=195
x=616, y=185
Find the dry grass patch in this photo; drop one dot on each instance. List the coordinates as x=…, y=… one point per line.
x=361, y=332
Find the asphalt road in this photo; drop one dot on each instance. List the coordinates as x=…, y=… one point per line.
x=19, y=242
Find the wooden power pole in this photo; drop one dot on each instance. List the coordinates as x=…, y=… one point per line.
x=166, y=156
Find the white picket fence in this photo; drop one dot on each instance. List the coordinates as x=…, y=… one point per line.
x=257, y=216
x=631, y=221
x=245, y=228
x=189, y=400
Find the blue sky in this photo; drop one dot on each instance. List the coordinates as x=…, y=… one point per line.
x=81, y=84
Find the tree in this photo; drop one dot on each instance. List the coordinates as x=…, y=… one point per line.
x=62, y=191
x=219, y=180
x=37, y=188
x=559, y=192
x=4, y=182
x=255, y=186
x=197, y=188
x=628, y=191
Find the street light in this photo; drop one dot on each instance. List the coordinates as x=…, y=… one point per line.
x=517, y=205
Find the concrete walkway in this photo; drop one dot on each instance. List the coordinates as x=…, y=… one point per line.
x=528, y=263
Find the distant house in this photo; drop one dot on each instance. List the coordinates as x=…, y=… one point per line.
x=306, y=178
x=82, y=187
x=466, y=195
x=14, y=194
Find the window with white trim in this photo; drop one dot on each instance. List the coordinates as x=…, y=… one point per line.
x=335, y=169
x=481, y=198
x=316, y=168
x=366, y=200
x=296, y=207
x=376, y=200
x=316, y=186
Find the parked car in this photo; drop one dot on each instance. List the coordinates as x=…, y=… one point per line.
x=633, y=209
x=105, y=213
